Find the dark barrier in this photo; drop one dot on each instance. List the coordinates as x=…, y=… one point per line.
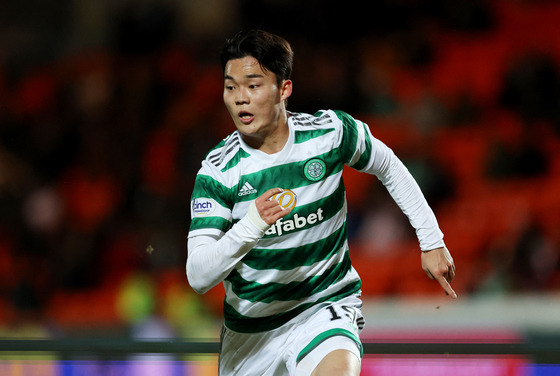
x=540, y=349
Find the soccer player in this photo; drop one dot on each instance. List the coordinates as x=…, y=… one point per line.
x=269, y=221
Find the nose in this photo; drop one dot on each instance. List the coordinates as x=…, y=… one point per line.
x=242, y=97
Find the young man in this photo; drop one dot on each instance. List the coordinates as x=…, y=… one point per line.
x=269, y=221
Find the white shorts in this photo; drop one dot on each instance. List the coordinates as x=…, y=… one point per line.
x=296, y=347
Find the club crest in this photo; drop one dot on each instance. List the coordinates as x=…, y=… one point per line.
x=315, y=169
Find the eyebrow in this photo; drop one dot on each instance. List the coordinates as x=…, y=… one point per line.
x=252, y=75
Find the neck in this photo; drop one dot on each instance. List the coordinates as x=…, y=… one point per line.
x=272, y=142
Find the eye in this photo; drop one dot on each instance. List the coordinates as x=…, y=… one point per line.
x=229, y=87
x=253, y=86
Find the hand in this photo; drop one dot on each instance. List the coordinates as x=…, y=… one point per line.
x=438, y=264
x=270, y=210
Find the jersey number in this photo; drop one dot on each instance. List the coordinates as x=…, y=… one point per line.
x=335, y=316
x=350, y=313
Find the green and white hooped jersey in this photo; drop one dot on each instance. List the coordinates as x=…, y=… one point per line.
x=303, y=259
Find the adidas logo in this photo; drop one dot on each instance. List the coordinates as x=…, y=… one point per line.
x=247, y=189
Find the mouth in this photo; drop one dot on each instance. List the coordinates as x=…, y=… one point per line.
x=245, y=117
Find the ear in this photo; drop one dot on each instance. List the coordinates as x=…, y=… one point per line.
x=286, y=89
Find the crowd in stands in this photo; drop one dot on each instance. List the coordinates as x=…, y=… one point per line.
x=99, y=148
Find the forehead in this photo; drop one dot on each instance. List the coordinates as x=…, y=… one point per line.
x=245, y=67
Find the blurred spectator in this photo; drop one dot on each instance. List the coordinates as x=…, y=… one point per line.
x=516, y=152
x=535, y=265
x=531, y=88
x=436, y=183
x=382, y=229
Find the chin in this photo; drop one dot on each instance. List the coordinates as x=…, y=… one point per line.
x=248, y=129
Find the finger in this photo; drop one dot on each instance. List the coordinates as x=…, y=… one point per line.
x=447, y=273
x=268, y=194
x=270, y=208
x=263, y=201
x=451, y=271
x=450, y=275
x=265, y=204
x=270, y=204
x=272, y=217
x=446, y=287
x=271, y=211
x=282, y=213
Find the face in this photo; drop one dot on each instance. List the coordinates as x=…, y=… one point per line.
x=254, y=99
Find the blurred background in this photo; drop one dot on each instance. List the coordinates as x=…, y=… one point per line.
x=108, y=107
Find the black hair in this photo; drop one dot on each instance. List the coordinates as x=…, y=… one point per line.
x=273, y=52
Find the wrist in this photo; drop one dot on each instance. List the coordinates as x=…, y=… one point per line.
x=433, y=246
x=255, y=218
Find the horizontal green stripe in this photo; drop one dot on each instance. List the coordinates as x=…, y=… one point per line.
x=219, y=223
x=206, y=186
x=265, y=293
x=234, y=161
x=244, y=324
x=302, y=136
x=290, y=258
x=288, y=176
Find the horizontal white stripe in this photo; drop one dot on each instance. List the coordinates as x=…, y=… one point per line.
x=293, y=275
x=259, y=309
x=204, y=207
